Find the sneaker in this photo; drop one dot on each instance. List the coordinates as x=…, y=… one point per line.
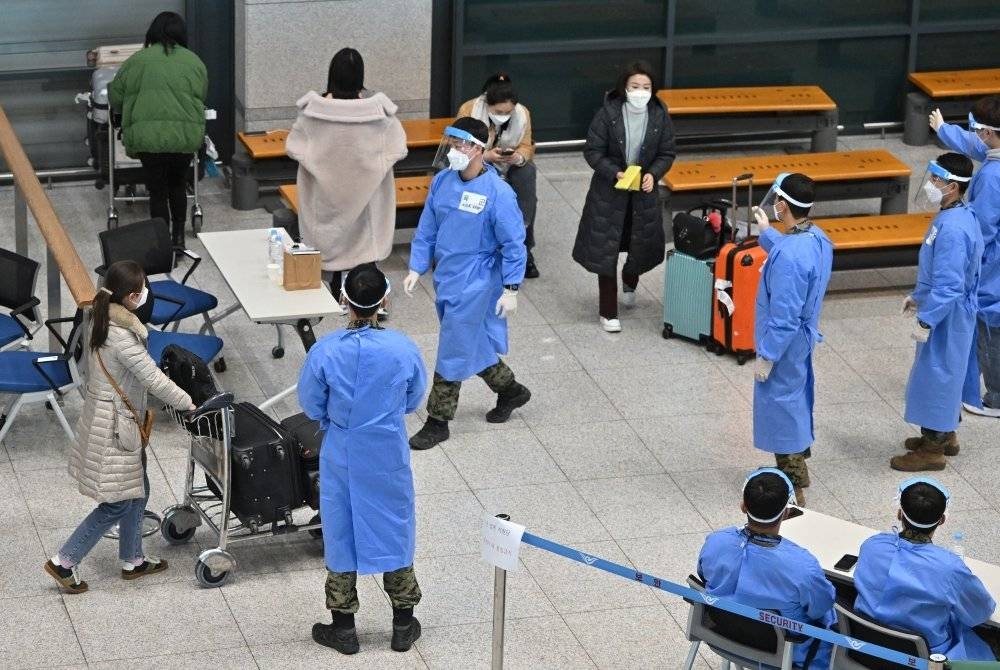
x=507, y=401
x=433, y=433
x=530, y=270
x=403, y=636
x=150, y=566
x=950, y=445
x=628, y=299
x=68, y=578
x=344, y=640
x=611, y=325
x=981, y=411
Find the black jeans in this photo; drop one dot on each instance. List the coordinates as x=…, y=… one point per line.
x=166, y=181
x=522, y=180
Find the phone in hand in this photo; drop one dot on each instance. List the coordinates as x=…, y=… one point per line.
x=845, y=563
x=794, y=512
x=506, y=152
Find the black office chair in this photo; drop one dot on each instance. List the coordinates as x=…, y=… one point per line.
x=862, y=628
x=17, y=294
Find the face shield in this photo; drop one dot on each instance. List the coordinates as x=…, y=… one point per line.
x=788, y=482
x=771, y=197
x=457, y=149
x=930, y=481
x=978, y=130
x=936, y=178
x=344, y=297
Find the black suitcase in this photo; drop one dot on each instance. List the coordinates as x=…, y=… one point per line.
x=309, y=438
x=265, y=478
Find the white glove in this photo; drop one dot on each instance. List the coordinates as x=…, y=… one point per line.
x=909, y=307
x=763, y=223
x=507, y=304
x=936, y=119
x=762, y=369
x=410, y=282
x=919, y=333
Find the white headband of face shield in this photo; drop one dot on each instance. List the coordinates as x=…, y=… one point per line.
x=788, y=482
x=785, y=196
x=941, y=173
x=975, y=125
x=388, y=289
x=922, y=480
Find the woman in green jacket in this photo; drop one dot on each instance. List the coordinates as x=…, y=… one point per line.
x=160, y=93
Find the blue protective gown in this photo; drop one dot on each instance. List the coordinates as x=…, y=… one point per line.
x=359, y=384
x=474, y=233
x=783, y=577
x=925, y=589
x=793, y=282
x=947, y=280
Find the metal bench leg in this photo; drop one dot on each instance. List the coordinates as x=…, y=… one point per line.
x=692, y=655
x=825, y=137
x=916, y=129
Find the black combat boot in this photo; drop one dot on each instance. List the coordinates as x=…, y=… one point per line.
x=405, y=628
x=340, y=635
x=508, y=400
x=433, y=433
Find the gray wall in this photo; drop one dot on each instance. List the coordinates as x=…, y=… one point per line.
x=283, y=49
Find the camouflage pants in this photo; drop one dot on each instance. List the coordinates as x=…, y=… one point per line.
x=443, y=399
x=794, y=466
x=342, y=593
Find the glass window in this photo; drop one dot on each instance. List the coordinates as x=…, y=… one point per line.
x=866, y=77
x=562, y=90
x=721, y=16
x=950, y=10
x=542, y=20
x=957, y=51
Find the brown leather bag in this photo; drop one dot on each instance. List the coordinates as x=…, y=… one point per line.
x=146, y=425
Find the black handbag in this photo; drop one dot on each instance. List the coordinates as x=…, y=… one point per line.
x=694, y=235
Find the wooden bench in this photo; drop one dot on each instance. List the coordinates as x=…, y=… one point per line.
x=891, y=240
x=260, y=157
x=844, y=175
x=411, y=193
x=786, y=110
x=949, y=90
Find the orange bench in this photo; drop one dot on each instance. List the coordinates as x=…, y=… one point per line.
x=706, y=112
x=845, y=175
x=949, y=90
x=411, y=193
x=420, y=134
x=876, y=241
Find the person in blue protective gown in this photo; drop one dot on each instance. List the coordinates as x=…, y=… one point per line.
x=904, y=581
x=755, y=566
x=472, y=233
x=942, y=309
x=359, y=382
x=982, y=143
x=790, y=294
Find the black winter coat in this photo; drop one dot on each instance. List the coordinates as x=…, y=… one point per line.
x=599, y=238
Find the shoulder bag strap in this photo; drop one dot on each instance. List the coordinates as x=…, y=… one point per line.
x=118, y=389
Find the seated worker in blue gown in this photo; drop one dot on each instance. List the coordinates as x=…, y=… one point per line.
x=757, y=567
x=904, y=581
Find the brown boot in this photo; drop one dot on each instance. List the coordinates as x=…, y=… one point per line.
x=950, y=443
x=929, y=457
x=800, y=497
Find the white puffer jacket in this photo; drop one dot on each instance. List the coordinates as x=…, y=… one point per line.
x=106, y=460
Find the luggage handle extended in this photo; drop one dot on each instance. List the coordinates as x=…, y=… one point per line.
x=748, y=178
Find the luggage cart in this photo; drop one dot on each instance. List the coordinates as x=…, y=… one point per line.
x=212, y=429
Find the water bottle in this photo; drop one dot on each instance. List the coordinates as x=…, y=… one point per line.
x=270, y=238
x=956, y=546
x=276, y=249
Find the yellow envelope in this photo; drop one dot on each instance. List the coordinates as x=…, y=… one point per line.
x=631, y=180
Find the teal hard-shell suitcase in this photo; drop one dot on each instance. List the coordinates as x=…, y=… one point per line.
x=688, y=297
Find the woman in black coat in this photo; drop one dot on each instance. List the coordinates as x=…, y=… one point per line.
x=632, y=128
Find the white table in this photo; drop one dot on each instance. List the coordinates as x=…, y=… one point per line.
x=829, y=538
x=241, y=256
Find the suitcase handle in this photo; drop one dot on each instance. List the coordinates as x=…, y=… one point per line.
x=748, y=178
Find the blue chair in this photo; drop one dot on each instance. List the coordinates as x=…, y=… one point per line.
x=205, y=347
x=33, y=377
x=17, y=294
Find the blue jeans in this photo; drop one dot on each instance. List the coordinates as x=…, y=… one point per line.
x=988, y=344
x=126, y=513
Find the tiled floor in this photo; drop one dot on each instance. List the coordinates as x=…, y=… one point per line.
x=631, y=449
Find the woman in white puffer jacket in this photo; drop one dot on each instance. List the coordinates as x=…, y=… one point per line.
x=108, y=459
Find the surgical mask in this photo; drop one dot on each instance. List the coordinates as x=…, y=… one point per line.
x=457, y=160
x=499, y=119
x=638, y=99
x=142, y=297
x=933, y=193
x=777, y=215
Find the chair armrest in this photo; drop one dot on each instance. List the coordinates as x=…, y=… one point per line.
x=165, y=298
x=51, y=358
x=64, y=319
x=20, y=311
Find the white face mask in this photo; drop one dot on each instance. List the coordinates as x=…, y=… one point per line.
x=499, y=119
x=142, y=297
x=777, y=215
x=933, y=193
x=457, y=160
x=638, y=99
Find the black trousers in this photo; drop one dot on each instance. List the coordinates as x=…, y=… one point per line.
x=166, y=181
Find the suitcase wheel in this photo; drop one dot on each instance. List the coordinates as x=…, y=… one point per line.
x=719, y=351
x=741, y=359
x=220, y=365
x=277, y=352
x=668, y=331
x=315, y=532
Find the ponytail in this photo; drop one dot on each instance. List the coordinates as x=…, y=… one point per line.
x=122, y=278
x=498, y=88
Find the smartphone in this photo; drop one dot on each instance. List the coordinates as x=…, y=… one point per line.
x=506, y=152
x=794, y=512
x=845, y=563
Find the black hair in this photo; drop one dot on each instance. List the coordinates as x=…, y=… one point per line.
x=121, y=278
x=633, y=68
x=987, y=110
x=366, y=285
x=346, y=78
x=168, y=30
x=800, y=187
x=474, y=127
x=958, y=165
x=765, y=495
x=923, y=503
x=499, y=88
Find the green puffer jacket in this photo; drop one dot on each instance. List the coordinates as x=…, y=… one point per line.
x=162, y=100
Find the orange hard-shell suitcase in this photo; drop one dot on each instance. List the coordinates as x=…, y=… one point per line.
x=737, y=274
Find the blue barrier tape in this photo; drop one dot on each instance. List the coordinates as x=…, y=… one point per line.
x=729, y=605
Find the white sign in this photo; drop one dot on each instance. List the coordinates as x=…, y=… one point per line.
x=501, y=541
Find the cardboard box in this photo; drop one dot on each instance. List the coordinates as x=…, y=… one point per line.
x=302, y=271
